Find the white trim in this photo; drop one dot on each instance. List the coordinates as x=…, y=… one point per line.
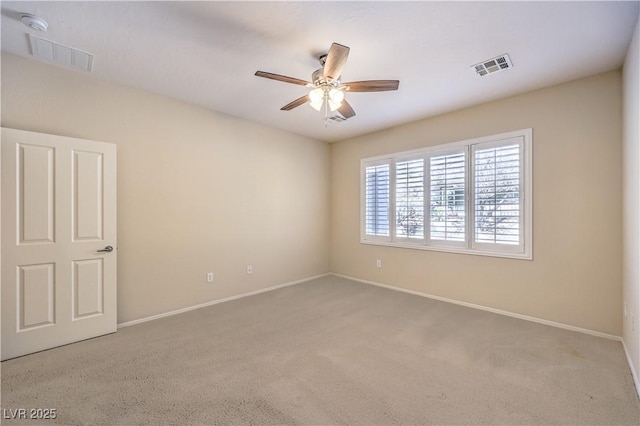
x=215, y=302
x=418, y=245
x=449, y=146
x=634, y=374
x=488, y=309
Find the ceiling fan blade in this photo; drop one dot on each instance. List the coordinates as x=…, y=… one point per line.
x=336, y=58
x=371, y=85
x=291, y=105
x=346, y=110
x=283, y=78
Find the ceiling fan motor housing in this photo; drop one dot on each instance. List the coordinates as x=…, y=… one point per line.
x=316, y=77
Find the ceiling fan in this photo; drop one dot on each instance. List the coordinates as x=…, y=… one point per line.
x=326, y=87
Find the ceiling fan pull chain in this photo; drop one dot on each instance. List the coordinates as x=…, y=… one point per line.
x=326, y=109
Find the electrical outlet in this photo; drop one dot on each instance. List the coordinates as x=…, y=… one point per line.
x=249, y=269
x=378, y=263
x=633, y=323
x=209, y=277
x=624, y=309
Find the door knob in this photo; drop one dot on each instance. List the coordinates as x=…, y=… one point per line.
x=107, y=249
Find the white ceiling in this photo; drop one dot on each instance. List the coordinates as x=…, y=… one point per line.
x=206, y=53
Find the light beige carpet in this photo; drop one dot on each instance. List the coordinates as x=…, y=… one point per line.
x=330, y=351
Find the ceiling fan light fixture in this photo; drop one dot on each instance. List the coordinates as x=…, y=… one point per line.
x=316, y=98
x=333, y=105
x=317, y=105
x=316, y=95
x=336, y=96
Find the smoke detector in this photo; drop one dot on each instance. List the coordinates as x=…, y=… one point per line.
x=493, y=65
x=34, y=22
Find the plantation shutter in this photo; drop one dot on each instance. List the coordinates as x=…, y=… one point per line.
x=472, y=196
x=497, y=194
x=409, y=199
x=447, y=197
x=377, y=203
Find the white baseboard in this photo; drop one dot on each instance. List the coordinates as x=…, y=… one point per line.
x=488, y=309
x=215, y=302
x=634, y=373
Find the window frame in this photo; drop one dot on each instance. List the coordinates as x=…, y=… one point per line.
x=519, y=248
x=523, y=250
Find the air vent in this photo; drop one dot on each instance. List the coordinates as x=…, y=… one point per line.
x=60, y=55
x=493, y=65
x=338, y=118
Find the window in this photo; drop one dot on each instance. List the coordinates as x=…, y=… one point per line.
x=466, y=197
x=410, y=199
x=377, y=200
x=497, y=203
x=447, y=219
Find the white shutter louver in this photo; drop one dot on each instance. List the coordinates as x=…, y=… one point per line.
x=447, y=196
x=377, y=188
x=410, y=199
x=497, y=202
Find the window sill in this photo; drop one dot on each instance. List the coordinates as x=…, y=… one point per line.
x=455, y=250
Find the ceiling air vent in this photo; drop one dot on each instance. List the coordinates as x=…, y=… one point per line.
x=60, y=55
x=493, y=65
x=338, y=118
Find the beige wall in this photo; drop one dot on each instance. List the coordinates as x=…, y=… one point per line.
x=201, y=191
x=198, y=191
x=575, y=275
x=631, y=212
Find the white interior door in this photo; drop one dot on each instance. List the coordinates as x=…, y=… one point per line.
x=58, y=213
